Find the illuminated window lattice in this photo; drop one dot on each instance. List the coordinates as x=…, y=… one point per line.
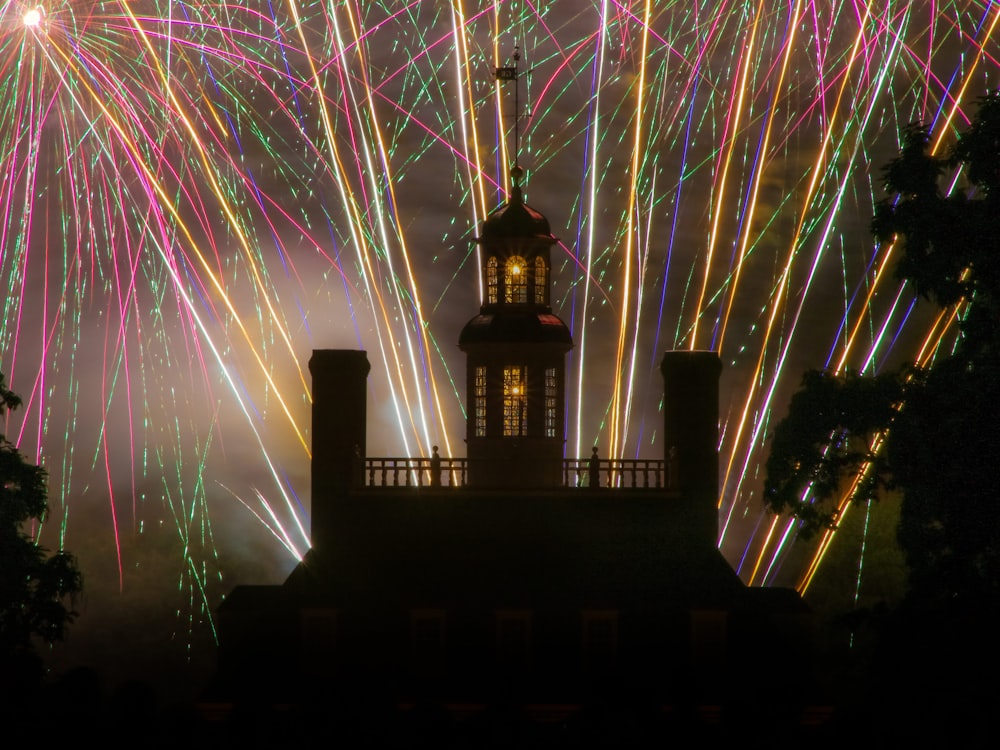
x=515, y=401
x=551, y=412
x=479, y=397
x=515, y=280
x=491, y=280
x=541, y=281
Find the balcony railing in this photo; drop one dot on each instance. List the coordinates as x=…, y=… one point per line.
x=415, y=472
x=454, y=472
x=616, y=472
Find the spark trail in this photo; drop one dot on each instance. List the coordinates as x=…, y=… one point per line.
x=196, y=194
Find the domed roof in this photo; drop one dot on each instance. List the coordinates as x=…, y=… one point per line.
x=515, y=218
x=516, y=327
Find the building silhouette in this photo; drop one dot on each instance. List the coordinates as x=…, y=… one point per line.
x=515, y=576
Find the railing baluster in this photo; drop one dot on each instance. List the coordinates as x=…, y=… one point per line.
x=612, y=472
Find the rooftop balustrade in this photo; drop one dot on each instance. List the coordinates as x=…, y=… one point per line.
x=422, y=471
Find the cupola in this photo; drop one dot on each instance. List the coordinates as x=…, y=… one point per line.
x=515, y=353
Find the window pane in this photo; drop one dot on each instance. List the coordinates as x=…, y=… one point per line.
x=479, y=397
x=551, y=403
x=541, y=281
x=515, y=401
x=600, y=639
x=515, y=279
x=318, y=632
x=491, y=280
x=428, y=640
x=514, y=638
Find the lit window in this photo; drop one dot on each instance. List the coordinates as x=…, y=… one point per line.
x=515, y=279
x=491, y=280
x=541, y=281
x=551, y=403
x=479, y=398
x=515, y=401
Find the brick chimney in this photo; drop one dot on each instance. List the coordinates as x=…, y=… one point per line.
x=339, y=421
x=691, y=432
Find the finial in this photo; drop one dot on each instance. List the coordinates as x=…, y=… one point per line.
x=510, y=73
x=516, y=173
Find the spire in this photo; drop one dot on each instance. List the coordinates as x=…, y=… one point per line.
x=510, y=73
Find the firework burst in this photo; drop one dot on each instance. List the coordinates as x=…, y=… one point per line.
x=196, y=194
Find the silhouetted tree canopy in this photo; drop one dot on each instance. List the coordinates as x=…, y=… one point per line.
x=36, y=588
x=928, y=435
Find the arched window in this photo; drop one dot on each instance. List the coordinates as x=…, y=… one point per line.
x=491, y=280
x=541, y=280
x=515, y=280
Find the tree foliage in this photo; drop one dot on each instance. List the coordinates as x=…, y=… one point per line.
x=829, y=435
x=37, y=589
x=936, y=427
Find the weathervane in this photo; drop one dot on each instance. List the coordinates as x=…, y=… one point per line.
x=509, y=73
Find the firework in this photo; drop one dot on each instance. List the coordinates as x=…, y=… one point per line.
x=196, y=194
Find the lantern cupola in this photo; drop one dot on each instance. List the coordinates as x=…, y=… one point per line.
x=515, y=353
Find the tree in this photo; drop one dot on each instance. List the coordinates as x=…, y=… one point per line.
x=928, y=436
x=37, y=589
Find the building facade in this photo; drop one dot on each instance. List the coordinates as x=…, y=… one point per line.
x=513, y=574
